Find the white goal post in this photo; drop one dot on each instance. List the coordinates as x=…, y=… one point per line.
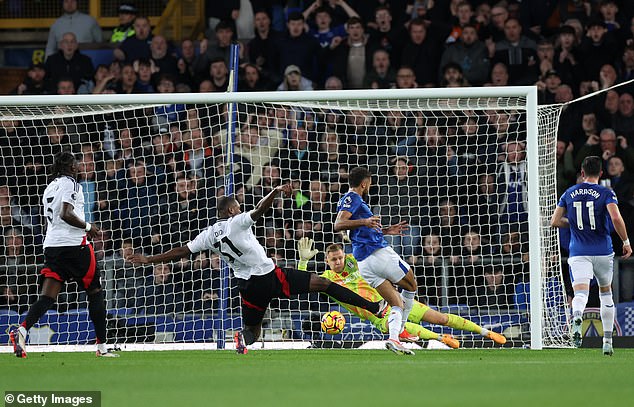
x=453, y=146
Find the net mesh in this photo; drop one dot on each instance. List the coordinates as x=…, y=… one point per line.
x=453, y=168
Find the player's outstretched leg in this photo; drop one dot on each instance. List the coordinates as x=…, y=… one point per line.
x=424, y=333
x=342, y=294
x=458, y=322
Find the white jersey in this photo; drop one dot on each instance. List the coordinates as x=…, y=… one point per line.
x=58, y=232
x=235, y=242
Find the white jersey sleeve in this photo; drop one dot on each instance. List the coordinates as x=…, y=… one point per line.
x=58, y=232
x=235, y=242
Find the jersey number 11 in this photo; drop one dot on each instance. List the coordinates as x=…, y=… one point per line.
x=579, y=209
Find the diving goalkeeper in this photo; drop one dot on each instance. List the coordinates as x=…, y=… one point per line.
x=344, y=271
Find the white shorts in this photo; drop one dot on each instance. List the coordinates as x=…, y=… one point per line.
x=383, y=264
x=584, y=267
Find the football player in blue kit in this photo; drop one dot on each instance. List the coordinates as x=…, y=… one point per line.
x=587, y=209
x=378, y=263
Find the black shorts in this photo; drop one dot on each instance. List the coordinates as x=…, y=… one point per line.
x=258, y=291
x=69, y=263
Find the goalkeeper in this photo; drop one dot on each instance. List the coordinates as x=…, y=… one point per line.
x=344, y=271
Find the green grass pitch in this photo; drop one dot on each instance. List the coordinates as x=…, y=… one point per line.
x=492, y=377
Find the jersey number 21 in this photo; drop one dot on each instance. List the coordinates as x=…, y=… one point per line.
x=225, y=252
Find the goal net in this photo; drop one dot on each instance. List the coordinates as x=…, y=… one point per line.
x=471, y=171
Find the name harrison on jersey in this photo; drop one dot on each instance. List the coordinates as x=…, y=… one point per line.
x=585, y=191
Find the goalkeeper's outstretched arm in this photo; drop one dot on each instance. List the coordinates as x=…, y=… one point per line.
x=306, y=252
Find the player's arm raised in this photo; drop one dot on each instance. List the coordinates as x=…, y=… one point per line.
x=343, y=222
x=619, y=226
x=173, y=254
x=266, y=202
x=558, y=220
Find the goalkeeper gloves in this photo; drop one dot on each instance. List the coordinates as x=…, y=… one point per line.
x=306, y=252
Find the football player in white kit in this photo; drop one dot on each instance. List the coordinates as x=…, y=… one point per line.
x=67, y=254
x=259, y=279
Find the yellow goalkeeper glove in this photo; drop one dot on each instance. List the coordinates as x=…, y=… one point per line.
x=306, y=252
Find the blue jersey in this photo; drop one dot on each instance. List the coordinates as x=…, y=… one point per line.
x=365, y=240
x=590, y=224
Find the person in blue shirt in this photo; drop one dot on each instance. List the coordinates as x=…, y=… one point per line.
x=587, y=209
x=378, y=263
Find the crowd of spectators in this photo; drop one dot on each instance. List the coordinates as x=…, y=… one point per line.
x=151, y=176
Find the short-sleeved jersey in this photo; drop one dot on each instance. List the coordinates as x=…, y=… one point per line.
x=235, y=242
x=58, y=232
x=365, y=240
x=590, y=223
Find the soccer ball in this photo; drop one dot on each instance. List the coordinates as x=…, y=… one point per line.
x=333, y=322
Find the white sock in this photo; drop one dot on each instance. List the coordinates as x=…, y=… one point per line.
x=394, y=322
x=101, y=347
x=22, y=331
x=484, y=332
x=408, y=303
x=607, y=315
x=579, y=303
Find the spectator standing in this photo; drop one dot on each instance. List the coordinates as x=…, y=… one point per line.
x=517, y=52
x=68, y=62
x=125, y=29
x=623, y=120
x=164, y=62
x=423, y=50
x=84, y=27
x=262, y=49
x=568, y=58
x=353, y=57
x=606, y=145
x=381, y=75
x=512, y=184
x=471, y=54
x=298, y=48
x=600, y=47
x=387, y=35
x=566, y=171
x=213, y=52
x=137, y=46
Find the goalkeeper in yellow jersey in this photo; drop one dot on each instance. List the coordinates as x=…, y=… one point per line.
x=344, y=271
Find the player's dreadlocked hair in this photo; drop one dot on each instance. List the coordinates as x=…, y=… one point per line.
x=357, y=175
x=223, y=205
x=62, y=162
